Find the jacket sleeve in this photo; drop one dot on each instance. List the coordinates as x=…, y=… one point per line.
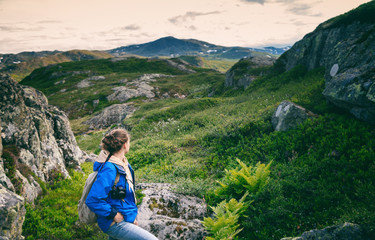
x=96, y=199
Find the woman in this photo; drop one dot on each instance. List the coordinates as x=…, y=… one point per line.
x=112, y=196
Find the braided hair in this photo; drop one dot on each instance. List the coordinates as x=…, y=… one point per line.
x=114, y=141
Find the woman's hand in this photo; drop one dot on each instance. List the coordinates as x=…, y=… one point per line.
x=118, y=218
x=136, y=222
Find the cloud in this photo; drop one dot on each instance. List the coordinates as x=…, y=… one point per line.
x=5, y=28
x=255, y=1
x=48, y=22
x=131, y=27
x=302, y=9
x=190, y=16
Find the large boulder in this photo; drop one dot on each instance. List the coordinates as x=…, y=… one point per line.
x=346, y=231
x=289, y=115
x=344, y=46
x=36, y=138
x=12, y=215
x=113, y=114
x=247, y=70
x=169, y=215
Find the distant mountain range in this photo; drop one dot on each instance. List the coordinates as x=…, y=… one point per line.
x=173, y=47
x=21, y=64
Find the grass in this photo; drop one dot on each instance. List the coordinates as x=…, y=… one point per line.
x=322, y=173
x=59, y=82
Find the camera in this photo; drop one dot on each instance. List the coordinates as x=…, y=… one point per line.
x=118, y=192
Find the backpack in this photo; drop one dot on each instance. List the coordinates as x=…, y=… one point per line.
x=84, y=213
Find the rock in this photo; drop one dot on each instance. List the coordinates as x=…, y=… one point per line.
x=180, y=65
x=136, y=88
x=95, y=103
x=289, y=115
x=113, y=114
x=165, y=95
x=4, y=180
x=38, y=132
x=346, y=231
x=169, y=215
x=242, y=73
x=123, y=81
x=12, y=215
x=344, y=46
x=60, y=82
x=96, y=78
x=84, y=84
x=91, y=158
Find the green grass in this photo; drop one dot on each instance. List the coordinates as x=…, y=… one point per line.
x=58, y=82
x=55, y=215
x=322, y=173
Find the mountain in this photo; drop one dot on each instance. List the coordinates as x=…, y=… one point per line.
x=272, y=50
x=171, y=47
x=22, y=64
x=344, y=46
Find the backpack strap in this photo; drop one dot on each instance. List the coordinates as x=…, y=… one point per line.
x=109, y=156
x=117, y=178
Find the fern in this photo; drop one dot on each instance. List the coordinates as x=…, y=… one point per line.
x=225, y=224
x=247, y=179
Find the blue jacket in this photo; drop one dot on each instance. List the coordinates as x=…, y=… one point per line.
x=99, y=201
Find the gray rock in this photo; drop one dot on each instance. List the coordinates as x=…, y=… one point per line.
x=136, y=88
x=95, y=103
x=180, y=65
x=96, y=78
x=12, y=215
x=4, y=180
x=239, y=75
x=91, y=158
x=346, y=231
x=169, y=215
x=289, y=115
x=84, y=84
x=41, y=133
x=346, y=52
x=113, y=114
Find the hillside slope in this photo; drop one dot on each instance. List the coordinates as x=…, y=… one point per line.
x=22, y=64
x=344, y=46
x=85, y=87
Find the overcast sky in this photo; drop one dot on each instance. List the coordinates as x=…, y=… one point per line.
x=36, y=25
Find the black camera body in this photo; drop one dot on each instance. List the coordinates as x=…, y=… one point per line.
x=118, y=192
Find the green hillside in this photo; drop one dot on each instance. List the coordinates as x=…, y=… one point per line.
x=28, y=61
x=320, y=174
x=59, y=82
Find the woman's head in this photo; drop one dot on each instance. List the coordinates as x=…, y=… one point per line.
x=115, y=140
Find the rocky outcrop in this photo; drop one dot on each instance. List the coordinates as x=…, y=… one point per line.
x=289, y=115
x=87, y=82
x=113, y=114
x=169, y=215
x=346, y=231
x=344, y=46
x=12, y=215
x=180, y=65
x=244, y=72
x=36, y=137
x=136, y=88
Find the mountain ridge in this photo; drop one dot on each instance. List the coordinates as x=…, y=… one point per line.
x=162, y=47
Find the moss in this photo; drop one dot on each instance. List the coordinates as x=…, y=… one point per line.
x=11, y=156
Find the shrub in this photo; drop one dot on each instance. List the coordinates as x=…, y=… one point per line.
x=225, y=224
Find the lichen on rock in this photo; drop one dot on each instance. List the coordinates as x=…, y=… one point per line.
x=169, y=215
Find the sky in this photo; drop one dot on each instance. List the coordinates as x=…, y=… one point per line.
x=37, y=25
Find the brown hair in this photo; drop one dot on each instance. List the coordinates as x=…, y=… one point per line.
x=113, y=141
